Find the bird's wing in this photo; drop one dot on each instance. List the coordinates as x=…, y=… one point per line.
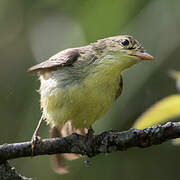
x=63, y=58
x=119, y=91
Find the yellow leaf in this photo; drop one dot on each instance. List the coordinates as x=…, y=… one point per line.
x=160, y=112
x=176, y=141
x=175, y=74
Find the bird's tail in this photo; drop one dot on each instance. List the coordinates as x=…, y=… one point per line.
x=58, y=160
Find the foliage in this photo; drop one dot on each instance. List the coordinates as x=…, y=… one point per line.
x=162, y=111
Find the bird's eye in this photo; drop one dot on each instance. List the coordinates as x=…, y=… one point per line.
x=125, y=42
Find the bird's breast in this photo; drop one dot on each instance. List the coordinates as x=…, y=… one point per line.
x=82, y=103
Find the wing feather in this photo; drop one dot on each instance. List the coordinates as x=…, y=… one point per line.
x=63, y=58
x=119, y=91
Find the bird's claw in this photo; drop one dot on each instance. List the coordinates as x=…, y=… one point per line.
x=35, y=140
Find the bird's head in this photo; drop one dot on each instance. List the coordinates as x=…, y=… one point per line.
x=123, y=50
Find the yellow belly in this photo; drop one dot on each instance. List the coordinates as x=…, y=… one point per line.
x=81, y=103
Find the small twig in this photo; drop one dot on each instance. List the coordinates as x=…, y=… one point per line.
x=92, y=145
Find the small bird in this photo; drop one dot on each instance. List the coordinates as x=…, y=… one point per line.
x=79, y=85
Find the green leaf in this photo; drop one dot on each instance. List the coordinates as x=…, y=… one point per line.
x=160, y=112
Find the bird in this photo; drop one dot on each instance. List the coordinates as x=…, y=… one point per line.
x=79, y=85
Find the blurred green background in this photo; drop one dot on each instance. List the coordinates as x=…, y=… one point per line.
x=33, y=30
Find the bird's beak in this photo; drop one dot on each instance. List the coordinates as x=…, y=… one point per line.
x=142, y=55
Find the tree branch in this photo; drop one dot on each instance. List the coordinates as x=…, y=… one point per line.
x=8, y=173
x=92, y=145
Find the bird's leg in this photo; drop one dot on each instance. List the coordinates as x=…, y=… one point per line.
x=90, y=132
x=35, y=138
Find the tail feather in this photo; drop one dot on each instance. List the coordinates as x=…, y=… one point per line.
x=58, y=164
x=58, y=160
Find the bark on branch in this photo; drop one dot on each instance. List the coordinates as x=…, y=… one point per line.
x=92, y=145
x=9, y=173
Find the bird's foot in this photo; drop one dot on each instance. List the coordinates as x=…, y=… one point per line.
x=35, y=140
